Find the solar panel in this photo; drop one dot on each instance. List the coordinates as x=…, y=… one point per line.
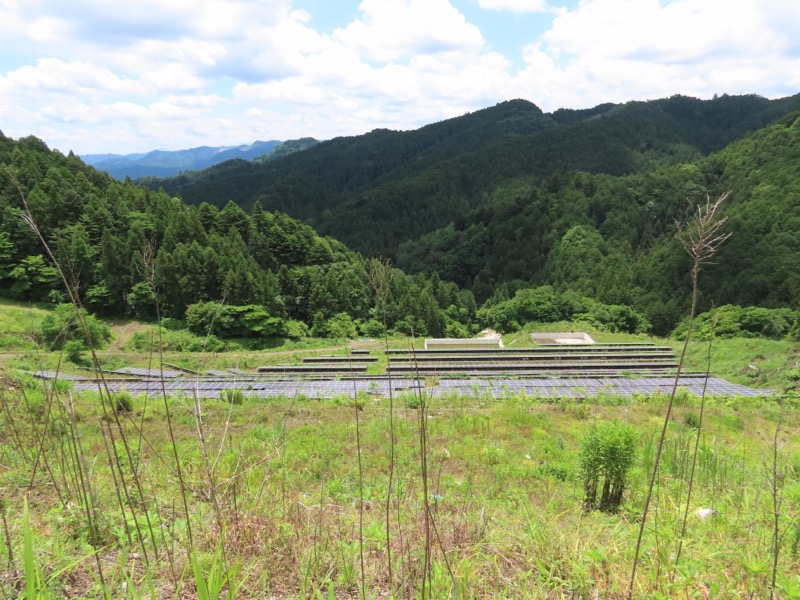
x=147, y=372
x=568, y=387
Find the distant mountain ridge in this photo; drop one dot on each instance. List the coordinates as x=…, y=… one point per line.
x=164, y=163
x=379, y=190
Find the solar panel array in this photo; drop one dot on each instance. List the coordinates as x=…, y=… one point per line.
x=167, y=374
x=592, y=386
x=578, y=387
x=596, y=360
x=262, y=388
x=45, y=374
x=571, y=373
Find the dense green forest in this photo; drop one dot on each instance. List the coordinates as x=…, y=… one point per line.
x=510, y=198
x=129, y=251
x=614, y=238
x=375, y=191
x=497, y=215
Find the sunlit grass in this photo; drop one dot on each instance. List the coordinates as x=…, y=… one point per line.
x=504, y=483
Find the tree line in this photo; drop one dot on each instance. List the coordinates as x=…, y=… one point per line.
x=129, y=251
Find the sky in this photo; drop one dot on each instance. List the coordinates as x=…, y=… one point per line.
x=99, y=76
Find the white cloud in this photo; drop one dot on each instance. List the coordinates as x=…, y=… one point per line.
x=394, y=30
x=518, y=6
x=646, y=30
x=618, y=50
x=103, y=76
x=173, y=77
x=54, y=76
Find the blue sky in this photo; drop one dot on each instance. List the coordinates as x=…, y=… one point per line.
x=94, y=76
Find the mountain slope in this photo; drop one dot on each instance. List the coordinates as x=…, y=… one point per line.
x=585, y=203
x=614, y=238
x=121, y=247
x=383, y=188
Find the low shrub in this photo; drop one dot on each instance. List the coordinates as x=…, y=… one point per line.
x=65, y=324
x=232, y=396
x=122, y=402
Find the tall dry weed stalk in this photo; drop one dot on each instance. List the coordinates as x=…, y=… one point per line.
x=360, y=464
x=148, y=273
x=777, y=469
x=379, y=274
x=422, y=433
x=692, y=472
x=429, y=521
x=701, y=239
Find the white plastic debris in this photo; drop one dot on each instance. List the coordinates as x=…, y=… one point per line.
x=704, y=513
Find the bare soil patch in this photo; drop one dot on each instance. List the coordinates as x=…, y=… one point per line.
x=123, y=331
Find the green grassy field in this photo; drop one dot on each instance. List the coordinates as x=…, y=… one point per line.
x=273, y=490
x=451, y=497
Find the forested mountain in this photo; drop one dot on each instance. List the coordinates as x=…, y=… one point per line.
x=286, y=148
x=614, y=238
x=374, y=192
x=166, y=163
x=127, y=250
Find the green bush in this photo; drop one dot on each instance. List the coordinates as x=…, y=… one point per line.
x=75, y=349
x=339, y=326
x=545, y=305
x=64, y=325
x=232, y=396
x=181, y=340
x=730, y=321
x=615, y=318
x=122, y=402
x=412, y=400
x=373, y=329
x=607, y=454
x=233, y=321
x=692, y=419
x=296, y=329
x=454, y=329
x=173, y=324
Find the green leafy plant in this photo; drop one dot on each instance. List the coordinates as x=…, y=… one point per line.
x=232, y=396
x=66, y=324
x=34, y=581
x=122, y=402
x=607, y=454
x=211, y=581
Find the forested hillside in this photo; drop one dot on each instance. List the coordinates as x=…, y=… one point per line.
x=510, y=197
x=614, y=238
x=129, y=251
x=375, y=191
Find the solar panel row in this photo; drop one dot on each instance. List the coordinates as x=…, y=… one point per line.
x=498, y=388
x=45, y=374
x=147, y=372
